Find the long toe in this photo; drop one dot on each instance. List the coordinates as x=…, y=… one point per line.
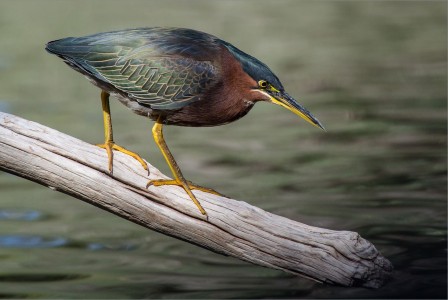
x=192, y=186
x=187, y=187
x=110, y=155
x=109, y=146
x=132, y=154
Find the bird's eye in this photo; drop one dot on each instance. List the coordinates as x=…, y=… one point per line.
x=263, y=83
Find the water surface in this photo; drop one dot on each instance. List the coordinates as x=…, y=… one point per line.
x=373, y=73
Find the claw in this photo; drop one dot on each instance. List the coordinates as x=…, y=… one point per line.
x=192, y=186
x=109, y=146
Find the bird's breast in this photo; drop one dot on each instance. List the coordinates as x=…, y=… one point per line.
x=209, y=112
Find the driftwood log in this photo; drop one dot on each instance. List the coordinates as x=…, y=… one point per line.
x=71, y=166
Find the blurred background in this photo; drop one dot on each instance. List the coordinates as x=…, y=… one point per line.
x=373, y=72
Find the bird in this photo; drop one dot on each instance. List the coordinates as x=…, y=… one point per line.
x=173, y=76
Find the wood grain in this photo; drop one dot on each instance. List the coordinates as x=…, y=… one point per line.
x=71, y=166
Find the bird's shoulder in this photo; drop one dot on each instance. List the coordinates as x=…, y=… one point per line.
x=142, y=42
x=159, y=67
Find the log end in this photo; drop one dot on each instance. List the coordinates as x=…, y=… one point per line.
x=374, y=269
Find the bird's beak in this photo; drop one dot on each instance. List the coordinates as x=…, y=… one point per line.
x=283, y=99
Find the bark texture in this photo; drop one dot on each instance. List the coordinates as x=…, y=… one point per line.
x=71, y=166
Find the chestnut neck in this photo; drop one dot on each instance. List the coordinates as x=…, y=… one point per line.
x=229, y=99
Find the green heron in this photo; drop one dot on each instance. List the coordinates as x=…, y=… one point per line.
x=174, y=76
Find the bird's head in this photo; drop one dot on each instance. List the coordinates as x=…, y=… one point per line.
x=268, y=87
x=277, y=95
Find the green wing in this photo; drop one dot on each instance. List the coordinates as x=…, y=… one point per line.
x=159, y=68
x=158, y=82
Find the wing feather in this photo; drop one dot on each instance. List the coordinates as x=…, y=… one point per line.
x=161, y=69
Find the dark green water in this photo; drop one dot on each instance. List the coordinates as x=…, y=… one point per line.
x=373, y=72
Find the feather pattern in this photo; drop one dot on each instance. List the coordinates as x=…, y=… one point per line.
x=160, y=68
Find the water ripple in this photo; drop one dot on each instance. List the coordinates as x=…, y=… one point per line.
x=40, y=277
x=5, y=106
x=20, y=215
x=17, y=241
x=13, y=296
x=122, y=247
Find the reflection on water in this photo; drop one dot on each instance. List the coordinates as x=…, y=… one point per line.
x=27, y=215
x=13, y=241
x=16, y=241
x=374, y=74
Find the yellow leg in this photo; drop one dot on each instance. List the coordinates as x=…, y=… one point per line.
x=178, y=177
x=160, y=182
x=109, y=144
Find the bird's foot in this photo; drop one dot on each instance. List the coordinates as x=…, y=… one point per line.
x=109, y=146
x=160, y=182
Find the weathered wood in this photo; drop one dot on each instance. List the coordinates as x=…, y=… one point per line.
x=234, y=228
